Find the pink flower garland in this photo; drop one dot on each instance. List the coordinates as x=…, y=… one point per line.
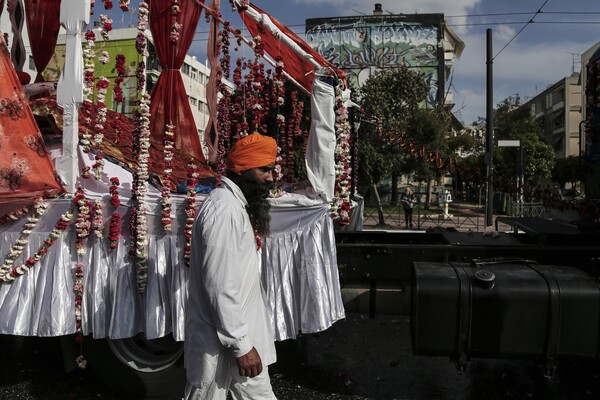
x=17, y=271
x=190, y=210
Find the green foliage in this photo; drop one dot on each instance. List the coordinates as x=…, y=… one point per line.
x=567, y=170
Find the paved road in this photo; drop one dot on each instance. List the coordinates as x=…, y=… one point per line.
x=359, y=358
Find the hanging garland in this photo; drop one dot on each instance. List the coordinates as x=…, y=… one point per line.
x=15, y=215
x=115, y=219
x=342, y=202
x=167, y=183
x=8, y=274
x=88, y=87
x=190, y=210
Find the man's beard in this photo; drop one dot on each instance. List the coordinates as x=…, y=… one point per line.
x=258, y=206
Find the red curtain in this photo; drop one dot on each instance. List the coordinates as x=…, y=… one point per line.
x=43, y=23
x=169, y=99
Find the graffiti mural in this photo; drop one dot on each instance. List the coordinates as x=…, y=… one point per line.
x=362, y=46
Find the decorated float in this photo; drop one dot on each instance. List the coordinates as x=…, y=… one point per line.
x=96, y=213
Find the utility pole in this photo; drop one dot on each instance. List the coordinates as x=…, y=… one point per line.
x=489, y=158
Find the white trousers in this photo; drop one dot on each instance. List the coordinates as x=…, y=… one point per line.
x=228, y=378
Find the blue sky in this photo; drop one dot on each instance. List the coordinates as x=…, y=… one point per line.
x=544, y=52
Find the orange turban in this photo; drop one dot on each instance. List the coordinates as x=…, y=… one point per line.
x=252, y=151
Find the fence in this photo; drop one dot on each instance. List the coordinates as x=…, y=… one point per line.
x=459, y=217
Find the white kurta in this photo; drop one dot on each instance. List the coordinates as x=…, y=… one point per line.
x=226, y=309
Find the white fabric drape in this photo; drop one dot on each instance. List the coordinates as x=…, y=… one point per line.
x=74, y=16
x=300, y=273
x=320, y=149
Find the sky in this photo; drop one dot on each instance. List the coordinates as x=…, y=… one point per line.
x=535, y=43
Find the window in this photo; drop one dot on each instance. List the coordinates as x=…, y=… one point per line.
x=194, y=73
x=185, y=68
x=193, y=101
x=31, y=63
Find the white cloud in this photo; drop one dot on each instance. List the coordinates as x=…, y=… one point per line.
x=454, y=7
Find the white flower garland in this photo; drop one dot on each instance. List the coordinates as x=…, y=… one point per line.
x=342, y=203
x=40, y=208
x=167, y=179
x=10, y=274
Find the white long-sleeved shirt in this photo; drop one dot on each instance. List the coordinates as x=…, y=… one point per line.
x=226, y=308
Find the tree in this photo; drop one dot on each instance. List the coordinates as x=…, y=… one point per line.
x=567, y=170
x=512, y=121
x=391, y=97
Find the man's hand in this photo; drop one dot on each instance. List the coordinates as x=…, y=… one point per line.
x=249, y=364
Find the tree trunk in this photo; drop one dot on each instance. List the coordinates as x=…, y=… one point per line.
x=379, y=206
x=428, y=195
x=394, y=198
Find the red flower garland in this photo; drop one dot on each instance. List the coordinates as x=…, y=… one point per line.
x=190, y=210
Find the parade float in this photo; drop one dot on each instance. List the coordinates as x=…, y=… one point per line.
x=96, y=213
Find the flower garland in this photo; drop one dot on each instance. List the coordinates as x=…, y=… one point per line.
x=141, y=145
x=175, y=8
x=121, y=71
x=97, y=221
x=104, y=57
x=98, y=166
x=17, y=249
x=85, y=171
x=78, y=289
x=175, y=32
x=115, y=219
x=88, y=88
x=342, y=203
x=82, y=223
x=124, y=5
x=168, y=185
x=108, y=4
x=107, y=25
x=102, y=86
x=190, y=210
x=16, y=271
x=15, y=215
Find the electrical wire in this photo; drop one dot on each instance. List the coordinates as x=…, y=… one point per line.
x=521, y=30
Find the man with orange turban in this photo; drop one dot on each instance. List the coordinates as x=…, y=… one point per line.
x=229, y=341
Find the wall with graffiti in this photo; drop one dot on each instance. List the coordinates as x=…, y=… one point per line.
x=361, y=46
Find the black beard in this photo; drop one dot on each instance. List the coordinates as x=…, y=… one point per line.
x=256, y=195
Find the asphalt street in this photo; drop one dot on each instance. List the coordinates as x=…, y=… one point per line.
x=358, y=358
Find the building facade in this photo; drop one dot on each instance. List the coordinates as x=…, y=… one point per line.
x=558, y=112
x=360, y=45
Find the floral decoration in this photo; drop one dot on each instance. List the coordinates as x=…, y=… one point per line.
x=15, y=215
x=121, y=71
x=124, y=5
x=175, y=32
x=141, y=41
x=98, y=166
x=82, y=222
x=175, y=8
x=190, y=210
x=104, y=57
x=108, y=4
x=78, y=289
x=97, y=221
x=8, y=274
x=167, y=182
x=107, y=26
x=113, y=230
x=342, y=202
x=40, y=207
x=88, y=88
x=102, y=87
x=85, y=171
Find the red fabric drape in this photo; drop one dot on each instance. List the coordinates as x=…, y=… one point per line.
x=293, y=63
x=43, y=23
x=169, y=99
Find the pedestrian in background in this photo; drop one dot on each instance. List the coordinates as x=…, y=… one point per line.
x=407, y=199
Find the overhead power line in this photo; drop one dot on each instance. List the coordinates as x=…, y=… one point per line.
x=522, y=29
